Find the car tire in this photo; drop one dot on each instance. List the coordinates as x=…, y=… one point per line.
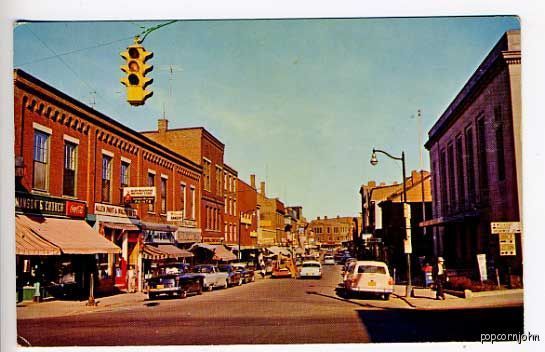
x=226, y=284
x=253, y=279
x=386, y=296
x=152, y=296
x=240, y=282
x=199, y=290
x=210, y=288
x=183, y=294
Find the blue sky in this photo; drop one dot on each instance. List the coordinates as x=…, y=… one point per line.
x=300, y=103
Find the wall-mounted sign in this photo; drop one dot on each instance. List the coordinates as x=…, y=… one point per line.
x=113, y=210
x=41, y=205
x=505, y=227
x=175, y=215
x=507, y=244
x=139, y=195
x=76, y=209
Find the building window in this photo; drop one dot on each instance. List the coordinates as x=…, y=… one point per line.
x=451, y=178
x=470, y=168
x=151, y=183
x=443, y=173
x=69, y=175
x=106, y=178
x=41, y=159
x=183, y=199
x=460, y=170
x=483, y=162
x=219, y=178
x=206, y=174
x=192, y=190
x=499, y=143
x=124, y=178
x=163, y=195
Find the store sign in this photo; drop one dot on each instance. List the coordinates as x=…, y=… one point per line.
x=505, y=227
x=35, y=204
x=481, y=260
x=139, y=195
x=76, y=209
x=113, y=210
x=175, y=215
x=507, y=244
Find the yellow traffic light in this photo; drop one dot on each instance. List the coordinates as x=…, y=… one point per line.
x=136, y=69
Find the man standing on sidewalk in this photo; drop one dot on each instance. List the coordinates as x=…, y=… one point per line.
x=440, y=275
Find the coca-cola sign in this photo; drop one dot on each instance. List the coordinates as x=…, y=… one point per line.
x=76, y=209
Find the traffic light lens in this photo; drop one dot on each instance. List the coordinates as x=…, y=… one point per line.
x=133, y=79
x=133, y=66
x=133, y=53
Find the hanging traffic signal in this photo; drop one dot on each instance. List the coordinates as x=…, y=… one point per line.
x=136, y=69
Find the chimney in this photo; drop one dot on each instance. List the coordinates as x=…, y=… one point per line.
x=394, y=183
x=325, y=217
x=415, y=175
x=338, y=217
x=262, y=187
x=162, y=125
x=252, y=181
x=382, y=184
x=371, y=184
x=317, y=218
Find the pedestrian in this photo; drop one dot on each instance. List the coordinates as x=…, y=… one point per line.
x=440, y=275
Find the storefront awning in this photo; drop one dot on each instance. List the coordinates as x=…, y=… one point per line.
x=158, y=227
x=29, y=243
x=220, y=252
x=153, y=253
x=223, y=254
x=120, y=226
x=174, y=252
x=71, y=236
x=277, y=250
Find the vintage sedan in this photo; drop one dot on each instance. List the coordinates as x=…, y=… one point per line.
x=234, y=276
x=369, y=277
x=212, y=277
x=174, y=284
x=247, y=273
x=311, y=268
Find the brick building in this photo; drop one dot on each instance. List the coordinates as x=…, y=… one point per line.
x=333, y=231
x=231, y=209
x=249, y=209
x=268, y=219
x=476, y=163
x=201, y=147
x=73, y=154
x=384, y=219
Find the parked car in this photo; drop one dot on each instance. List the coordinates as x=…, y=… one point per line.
x=341, y=256
x=234, y=277
x=311, y=268
x=174, y=284
x=369, y=277
x=212, y=277
x=347, y=264
x=329, y=260
x=247, y=273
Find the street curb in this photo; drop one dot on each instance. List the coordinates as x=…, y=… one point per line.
x=406, y=301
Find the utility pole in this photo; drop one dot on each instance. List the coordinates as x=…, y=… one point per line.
x=421, y=152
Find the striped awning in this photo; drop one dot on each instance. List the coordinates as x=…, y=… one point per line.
x=69, y=236
x=120, y=226
x=164, y=251
x=27, y=242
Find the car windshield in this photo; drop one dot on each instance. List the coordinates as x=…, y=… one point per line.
x=311, y=265
x=371, y=269
x=202, y=269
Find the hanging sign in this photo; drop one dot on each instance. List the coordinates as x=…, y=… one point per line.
x=139, y=195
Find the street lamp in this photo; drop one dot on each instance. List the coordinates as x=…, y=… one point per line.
x=374, y=162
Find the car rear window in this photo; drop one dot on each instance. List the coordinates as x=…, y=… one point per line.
x=311, y=265
x=371, y=269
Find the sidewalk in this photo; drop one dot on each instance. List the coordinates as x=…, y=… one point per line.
x=503, y=298
x=58, y=308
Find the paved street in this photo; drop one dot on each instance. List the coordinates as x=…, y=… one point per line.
x=267, y=311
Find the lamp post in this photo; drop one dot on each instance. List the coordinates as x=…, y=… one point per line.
x=374, y=161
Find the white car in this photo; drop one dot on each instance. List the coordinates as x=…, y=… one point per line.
x=311, y=268
x=329, y=260
x=369, y=277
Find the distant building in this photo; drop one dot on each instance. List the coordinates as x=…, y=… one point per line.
x=249, y=209
x=333, y=231
x=267, y=234
x=201, y=147
x=231, y=210
x=475, y=153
